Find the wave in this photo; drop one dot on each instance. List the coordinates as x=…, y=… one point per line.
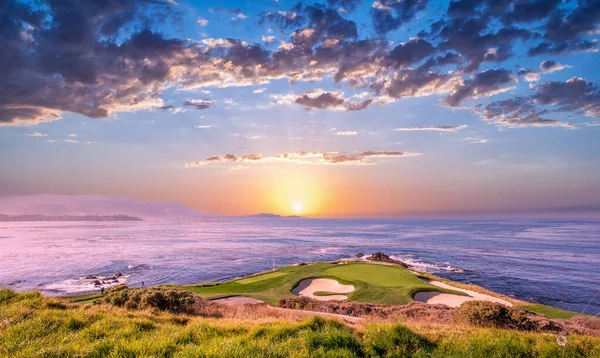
x=425, y=266
x=85, y=284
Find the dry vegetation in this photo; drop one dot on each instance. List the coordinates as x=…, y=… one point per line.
x=33, y=325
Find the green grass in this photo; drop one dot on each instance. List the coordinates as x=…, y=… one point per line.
x=258, y=278
x=35, y=326
x=84, y=298
x=378, y=275
x=373, y=283
x=548, y=311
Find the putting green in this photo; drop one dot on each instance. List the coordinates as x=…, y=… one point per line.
x=258, y=278
x=380, y=275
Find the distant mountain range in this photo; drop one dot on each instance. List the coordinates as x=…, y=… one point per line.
x=271, y=216
x=50, y=207
x=37, y=217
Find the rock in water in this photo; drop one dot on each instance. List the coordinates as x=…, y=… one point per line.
x=381, y=257
x=359, y=255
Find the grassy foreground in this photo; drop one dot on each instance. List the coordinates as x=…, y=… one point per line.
x=32, y=325
x=373, y=283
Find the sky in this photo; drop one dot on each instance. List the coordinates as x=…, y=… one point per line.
x=332, y=108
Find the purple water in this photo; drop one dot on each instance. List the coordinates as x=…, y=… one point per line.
x=551, y=262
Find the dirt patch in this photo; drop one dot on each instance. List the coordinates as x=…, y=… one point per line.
x=237, y=300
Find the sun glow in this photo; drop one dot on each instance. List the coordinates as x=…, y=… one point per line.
x=297, y=207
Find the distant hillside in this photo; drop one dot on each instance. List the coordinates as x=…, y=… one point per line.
x=270, y=216
x=96, y=205
x=19, y=218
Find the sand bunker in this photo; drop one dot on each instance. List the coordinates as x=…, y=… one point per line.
x=237, y=300
x=308, y=287
x=451, y=300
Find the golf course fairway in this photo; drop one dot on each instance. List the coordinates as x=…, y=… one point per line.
x=373, y=283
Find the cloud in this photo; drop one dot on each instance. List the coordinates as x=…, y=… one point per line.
x=529, y=74
x=476, y=140
x=199, y=104
x=97, y=60
x=345, y=5
x=202, y=22
x=432, y=128
x=347, y=133
x=519, y=112
x=485, y=84
x=320, y=99
x=36, y=134
x=389, y=15
x=411, y=52
x=259, y=90
x=203, y=126
x=317, y=158
x=268, y=39
x=575, y=95
x=552, y=66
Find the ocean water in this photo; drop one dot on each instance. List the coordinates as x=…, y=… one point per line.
x=547, y=261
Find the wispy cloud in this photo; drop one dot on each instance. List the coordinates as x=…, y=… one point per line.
x=36, y=134
x=347, y=133
x=477, y=140
x=319, y=158
x=432, y=128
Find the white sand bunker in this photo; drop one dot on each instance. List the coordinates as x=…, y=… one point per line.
x=307, y=288
x=451, y=300
x=237, y=300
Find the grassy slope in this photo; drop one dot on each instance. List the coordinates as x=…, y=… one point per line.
x=548, y=311
x=373, y=283
x=35, y=326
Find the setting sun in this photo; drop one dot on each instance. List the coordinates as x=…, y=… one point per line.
x=297, y=207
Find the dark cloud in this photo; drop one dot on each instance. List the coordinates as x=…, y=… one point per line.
x=575, y=95
x=518, y=112
x=96, y=58
x=562, y=48
x=484, y=84
x=531, y=10
x=331, y=100
x=322, y=101
x=551, y=66
x=198, y=104
x=346, y=5
x=411, y=52
x=565, y=31
x=64, y=58
x=468, y=37
x=389, y=15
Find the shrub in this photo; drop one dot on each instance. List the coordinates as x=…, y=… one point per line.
x=395, y=341
x=492, y=314
x=6, y=294
x=162, y=298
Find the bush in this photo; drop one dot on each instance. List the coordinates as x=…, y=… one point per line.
x=162, y=298
x=492, y=314
x=6, y=294
x=395, y=341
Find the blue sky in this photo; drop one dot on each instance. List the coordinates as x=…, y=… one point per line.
x=331, y=112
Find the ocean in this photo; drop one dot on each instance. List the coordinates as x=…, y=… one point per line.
x=555, y=262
